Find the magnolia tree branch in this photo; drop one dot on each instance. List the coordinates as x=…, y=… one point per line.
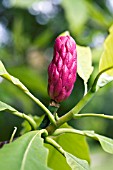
x=4, y=106
x=21, y=86
x=65, y=118
x=68, y=116
x=50, y=116
x=55, y=145
x=26, y=117
x=72, y=113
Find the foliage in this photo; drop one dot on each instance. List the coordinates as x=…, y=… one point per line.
x=78, y=165
x=23, y=151
x=24, y=55
x=84, y=68
x=78, y=144
x=107, y=56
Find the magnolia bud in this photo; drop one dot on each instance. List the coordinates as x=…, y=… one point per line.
x=62, y=69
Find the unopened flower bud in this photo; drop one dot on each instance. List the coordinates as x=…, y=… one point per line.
x=62, y=69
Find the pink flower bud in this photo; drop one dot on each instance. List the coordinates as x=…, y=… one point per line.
x=62, y=69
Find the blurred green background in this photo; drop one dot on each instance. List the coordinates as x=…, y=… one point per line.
x=27, y=33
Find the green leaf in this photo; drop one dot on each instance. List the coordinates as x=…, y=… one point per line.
x=25, y=153
x=17, y=82
x=76, y=14
x=6, y=91
x=23, y=4
x=104, y=79
x=106, y=143
x=4, y=106
x=106, y=59
x=5, y=74
x=76, y=163
x=56, y=160
x=84, y=66
x=72, y=143
x=2, y=69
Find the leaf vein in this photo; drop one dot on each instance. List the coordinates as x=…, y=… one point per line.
x=26, y=152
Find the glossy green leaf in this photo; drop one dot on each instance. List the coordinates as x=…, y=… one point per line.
x=106, y=59
x=56, y=160
x=6, y=91
x=106, y=143
x=2, y=69
x=76, y=13
x=5, y=74
x=76, y=163
x=4, y=106
x=72, y=143
x=21, y=86
x=23, y=4
x=104, y=79
x=25, y=153
x=84, y=66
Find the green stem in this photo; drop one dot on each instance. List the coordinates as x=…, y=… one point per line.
x=13, y=134
x=17, y=83
x=53, y=107
x=26, y=117
x=50, y=116
x=55, y=145
x=68, y=116
x=93, y=115
x=67, y=130
x=75, y=131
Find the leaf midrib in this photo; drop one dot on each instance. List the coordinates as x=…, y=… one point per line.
x=26, y=152
x=78, y=163
x=105, y=141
